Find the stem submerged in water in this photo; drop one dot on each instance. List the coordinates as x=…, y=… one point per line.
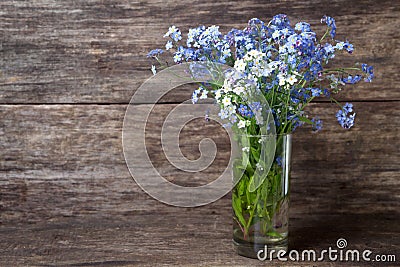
x=259, y=211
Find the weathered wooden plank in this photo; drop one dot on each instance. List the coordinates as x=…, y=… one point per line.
x=49, y=137
x=67, y=160
x=66, y=196
x=184, y=237
x=94, y=52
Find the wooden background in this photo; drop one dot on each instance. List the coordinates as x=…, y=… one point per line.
x=67, y=72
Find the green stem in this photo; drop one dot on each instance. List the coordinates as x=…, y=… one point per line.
x=287, y=107
x=325, y=34
x=341, y=69
x=252, y=212
x=336, y=102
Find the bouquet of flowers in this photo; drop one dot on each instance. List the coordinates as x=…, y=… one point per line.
x=290, y=67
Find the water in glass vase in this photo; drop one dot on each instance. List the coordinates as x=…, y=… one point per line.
x=260, y=211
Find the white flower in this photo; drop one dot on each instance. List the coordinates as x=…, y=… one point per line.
x=238, y=90
x=168, y=45
x=153, y=69
x=204, y=94
x=247, y=57
x=256, y=71
x=227, y=87
x=290, y=48
x=223, y=114
x=291, y=79
x=292, y=38
x=217, y=94
x=252, y=78
x=253, y=54
x=241, y=124
x=246, y=149
x=259, y=118
x=275, y=34
x=267, y=70
x=258, y=165
x=240, y=65
x=273, y=64
x=231, y=109
x=282, y=80
x=339, y=46
x=171, y=30
x=226, y=52
x=226, y=101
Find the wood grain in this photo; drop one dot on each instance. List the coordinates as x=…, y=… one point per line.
x=58, y=202
x=67, y=72
x=94, y=52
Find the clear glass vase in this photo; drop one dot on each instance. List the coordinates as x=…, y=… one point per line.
x=260, y=213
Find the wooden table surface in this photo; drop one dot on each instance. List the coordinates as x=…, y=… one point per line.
x=67, y=72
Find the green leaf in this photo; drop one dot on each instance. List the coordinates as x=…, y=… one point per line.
x=245, y=158
x=256, y=153
x=241, y=186
x=245, y=143
x=238, y=169
x=304, y=119
x=256, y=180
x=249, y=169
x=274, y=234
x=237, y=208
